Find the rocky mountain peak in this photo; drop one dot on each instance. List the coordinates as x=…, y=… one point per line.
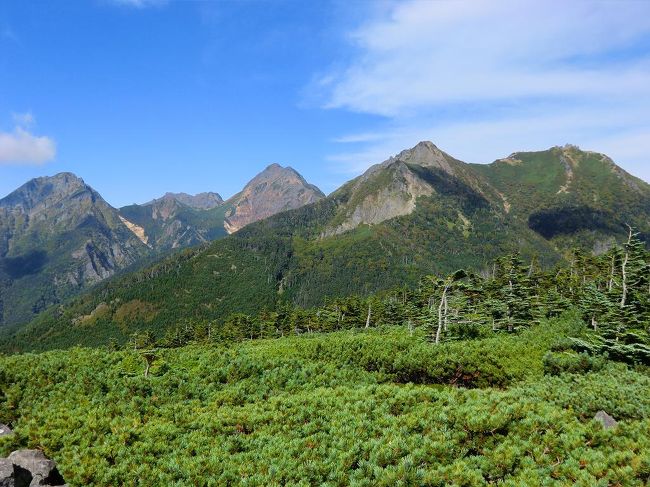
x=58, y=235
x=46, y=191
x=426, y=154
x=273, y=190
x=200, y=201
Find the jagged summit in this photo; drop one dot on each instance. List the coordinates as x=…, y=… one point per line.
x=199, y=201
x=273, y=190
x=48, y=189
x=277, y=171
x=425, y=154
x=57, y=236
x=392, y=188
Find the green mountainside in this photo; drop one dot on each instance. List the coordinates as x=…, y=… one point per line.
x=571, y=196
x=57, y=236
x=417, y=213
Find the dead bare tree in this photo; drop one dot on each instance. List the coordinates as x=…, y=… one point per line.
x=626, y=259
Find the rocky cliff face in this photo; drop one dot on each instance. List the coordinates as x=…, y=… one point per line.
x=168, y=223
x=274, y=190
x=179, y=220
x=392, y=188
x=58, y=235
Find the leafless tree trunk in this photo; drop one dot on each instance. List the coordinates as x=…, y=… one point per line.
x=368, y=317
x=442, y=313
x=446, y=312
x=624, y=269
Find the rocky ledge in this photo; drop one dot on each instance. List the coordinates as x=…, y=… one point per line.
x=29, y=468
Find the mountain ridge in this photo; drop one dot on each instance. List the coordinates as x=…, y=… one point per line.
x=465, y=216
x=200, y=201
x=58, y=236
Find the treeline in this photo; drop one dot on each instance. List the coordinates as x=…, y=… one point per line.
x=611, y=292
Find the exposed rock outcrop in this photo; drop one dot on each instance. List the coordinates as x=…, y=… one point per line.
x=29, y=468
x=58, y=236
x=606, y=420
x=391, y=188
x=274, y=190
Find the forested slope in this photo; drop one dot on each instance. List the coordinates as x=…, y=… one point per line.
x=418, y=213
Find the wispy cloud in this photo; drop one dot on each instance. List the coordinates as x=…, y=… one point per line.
x=480, y=77
x=21, y=147
x=25, y=119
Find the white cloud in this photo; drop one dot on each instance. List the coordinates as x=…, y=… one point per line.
x=482, y=79
x=435, y=53
x=21, y=147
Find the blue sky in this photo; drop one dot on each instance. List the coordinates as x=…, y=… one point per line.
x=140, y=97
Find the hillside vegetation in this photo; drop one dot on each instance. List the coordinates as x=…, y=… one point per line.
x=372, y=407
x=421, y=212
x=464, y=379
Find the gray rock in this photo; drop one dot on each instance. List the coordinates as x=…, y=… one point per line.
x=34, y=464
x=6, y=473
x=606, y=420
x=5, y=430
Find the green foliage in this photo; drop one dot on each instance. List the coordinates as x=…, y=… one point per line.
x=571, y=362
x=610, y=292
x=346, y=408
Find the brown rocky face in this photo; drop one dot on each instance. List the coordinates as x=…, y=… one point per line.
x=274, y=190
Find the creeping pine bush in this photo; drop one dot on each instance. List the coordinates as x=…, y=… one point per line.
x=376, y=408
x=570, y=362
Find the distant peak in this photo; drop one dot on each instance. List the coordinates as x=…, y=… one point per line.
x=52, y=188
x=62, y=179
x=426, y=144
x=66, y=175
x=426, y=154
x=200, y=201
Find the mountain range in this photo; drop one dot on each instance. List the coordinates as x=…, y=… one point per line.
x=421, y=211
x=58, y=236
